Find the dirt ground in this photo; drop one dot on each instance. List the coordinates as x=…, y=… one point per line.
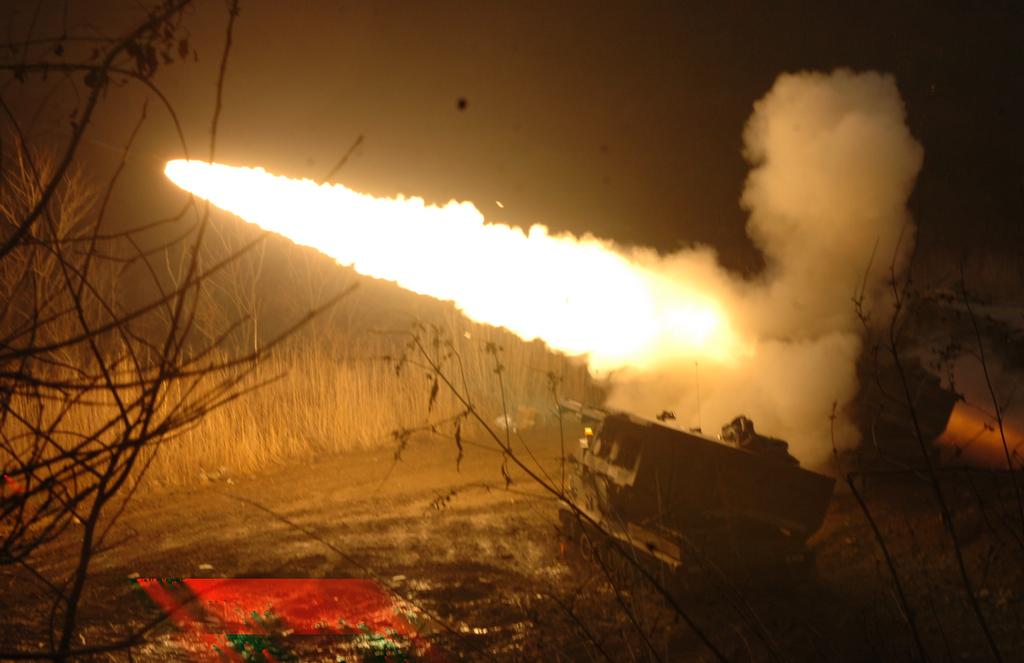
x=490, y=577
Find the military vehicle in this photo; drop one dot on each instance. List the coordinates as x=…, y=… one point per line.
x=691, y=502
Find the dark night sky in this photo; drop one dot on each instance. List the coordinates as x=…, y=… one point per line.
x=622, y=119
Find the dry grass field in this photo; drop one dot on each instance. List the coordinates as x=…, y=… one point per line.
x=320, y=401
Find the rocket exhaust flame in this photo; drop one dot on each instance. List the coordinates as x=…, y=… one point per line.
x=832, y=167
x=557, y=288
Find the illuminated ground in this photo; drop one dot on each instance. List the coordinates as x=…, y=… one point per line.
x=488, y=564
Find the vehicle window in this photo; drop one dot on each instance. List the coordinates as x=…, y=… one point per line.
x=628, y=449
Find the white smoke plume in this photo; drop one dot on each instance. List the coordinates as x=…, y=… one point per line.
x=833, y=164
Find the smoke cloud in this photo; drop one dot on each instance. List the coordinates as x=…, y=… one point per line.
x=832, y=166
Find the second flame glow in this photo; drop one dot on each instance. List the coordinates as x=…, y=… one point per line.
x=580, y=296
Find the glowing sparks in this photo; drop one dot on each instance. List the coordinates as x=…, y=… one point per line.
x=580, y=296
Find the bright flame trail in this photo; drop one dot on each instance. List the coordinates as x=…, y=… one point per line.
x=580, y=296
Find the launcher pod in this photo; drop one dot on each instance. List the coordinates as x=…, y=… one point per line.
x=692, y=502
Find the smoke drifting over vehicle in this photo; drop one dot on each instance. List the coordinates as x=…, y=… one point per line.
x=833, y=164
